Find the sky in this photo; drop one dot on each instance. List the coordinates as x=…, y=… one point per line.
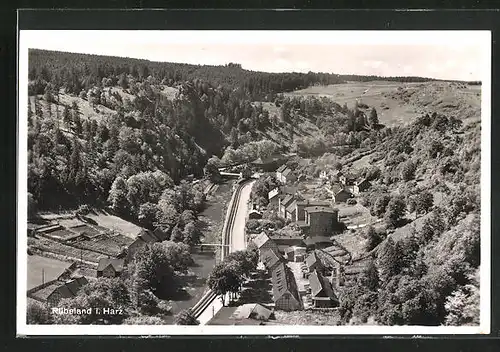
x=453, y=55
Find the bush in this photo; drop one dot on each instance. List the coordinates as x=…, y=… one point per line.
x=83, y=210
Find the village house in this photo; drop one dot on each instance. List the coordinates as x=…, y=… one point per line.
x=109, y=267
x=295, y=254
x=285, y=293
x=271, y=258
x=283, y=204
x=262, y=241
x=321, y=291
x=67, y=290
x=290, y=210
x=300, y=214
x=288, y=176
x=363, y=185
x=322, y=221
x=340, y=194
x=283, y=241
x=144, y=237
x=313, y=262
x=279, y=172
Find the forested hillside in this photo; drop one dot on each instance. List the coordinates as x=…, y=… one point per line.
x=94, y=119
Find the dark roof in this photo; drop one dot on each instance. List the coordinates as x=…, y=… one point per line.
x=270, y=258
x=160, y=234
x=147, y=236
x=117, y=264
x=291, y=207
x=75, y=284
x=320, y=209
x=317, y=239
x=289, y=190
x=70, y=288
x=64, y=291
x=288, y=199
x=283, y=281
x=252, y=311
x=364, y=180
x=320, y=286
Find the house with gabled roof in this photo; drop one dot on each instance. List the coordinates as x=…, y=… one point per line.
x=340, y=194
x=279, y=172
x=253, y=311
x=262, y=241
x=67, y=290
x=290, y=210
x=144, y=237
x=300, y=214
x=270, y=257
x=313, y=262
x=282, y=204
x=109, y=267
x=363, y=184
x=285, y=292
x=288, y=176
x=321, y=291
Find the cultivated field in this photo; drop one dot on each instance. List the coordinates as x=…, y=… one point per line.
x=399, y=103
x=42, y=269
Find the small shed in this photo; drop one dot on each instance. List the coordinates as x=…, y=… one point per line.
x=254, y=214
x=253, y=311
x=108, y=267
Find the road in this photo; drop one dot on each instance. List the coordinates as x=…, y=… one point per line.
x=237, y=242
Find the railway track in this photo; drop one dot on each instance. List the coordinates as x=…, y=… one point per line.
x=210, y=296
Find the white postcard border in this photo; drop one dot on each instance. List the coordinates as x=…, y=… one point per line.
x=28, y=39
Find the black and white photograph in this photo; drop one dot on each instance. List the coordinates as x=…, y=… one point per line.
x=253, y=182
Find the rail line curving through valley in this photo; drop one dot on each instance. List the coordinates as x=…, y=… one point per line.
x=210, y=296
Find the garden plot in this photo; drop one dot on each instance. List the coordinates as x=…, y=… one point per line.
x=64, y=251
x=355, y=215
x=102, y=244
